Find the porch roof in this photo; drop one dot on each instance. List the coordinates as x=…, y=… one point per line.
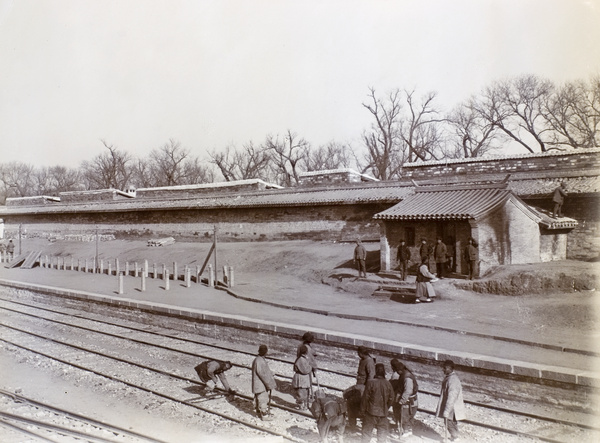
x=436, y=203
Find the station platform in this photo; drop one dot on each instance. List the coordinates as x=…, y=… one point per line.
x=525, y=336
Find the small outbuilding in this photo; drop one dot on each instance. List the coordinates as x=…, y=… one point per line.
x=506, y=229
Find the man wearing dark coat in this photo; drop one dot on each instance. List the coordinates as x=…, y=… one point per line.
x=440, y=255
x=403, y=258
x=559, y=198
x=353, y=395
x=472, y=257
x=360, y=259
x=376, y=401
x=406, y=404
x=263, y=383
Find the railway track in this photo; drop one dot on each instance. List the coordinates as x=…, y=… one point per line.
x=167, y=359
x=37, y=420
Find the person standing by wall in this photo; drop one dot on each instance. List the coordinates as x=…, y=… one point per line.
x=403, y=258
x=472, y=257
x=451, y=406
x=360, y=259
x=439, y=254
x=376, y=401
x=263, y=383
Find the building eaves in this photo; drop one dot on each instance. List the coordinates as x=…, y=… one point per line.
x=446, y=205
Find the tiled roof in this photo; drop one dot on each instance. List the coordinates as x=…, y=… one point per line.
x=375, y=193
x=448, y=204
x=550, y=222
x=500, y=157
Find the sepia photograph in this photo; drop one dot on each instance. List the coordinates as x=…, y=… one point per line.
x=350, y=221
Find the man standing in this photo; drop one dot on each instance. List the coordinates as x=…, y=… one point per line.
x=471, y=257
x=360, y=259
x=377, y=399
x=263, y=383
x=406, y=404
x=353, y=395
x=403, y=258
x=559, y=198
x=439, y=254
x=451, y=406
x=10, y=249
x=424, y=251
x=302, y=381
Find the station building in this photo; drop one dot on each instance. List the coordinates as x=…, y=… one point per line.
x=504, y=202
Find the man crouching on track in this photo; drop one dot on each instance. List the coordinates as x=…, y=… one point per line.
x=330, y=413
x=263, y=384
x=209, y=370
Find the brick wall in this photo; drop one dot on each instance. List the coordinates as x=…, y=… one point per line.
x=583, y=242
x=569, y=162
x=327, y=222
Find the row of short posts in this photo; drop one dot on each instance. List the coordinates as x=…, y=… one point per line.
x=88, y=266
x=5, y=257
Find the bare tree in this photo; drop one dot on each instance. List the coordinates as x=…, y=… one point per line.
x=515, y=107
x=287, y=153
x=17, y=179
x=573, y=113
x=195, y=172
x=249, y=162
x=332, y=155
x=473, y=134
x=421, y=129
x=107, y=170
x=385, y=146
x=168, y=164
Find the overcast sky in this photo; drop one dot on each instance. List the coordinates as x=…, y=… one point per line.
x=213, y=73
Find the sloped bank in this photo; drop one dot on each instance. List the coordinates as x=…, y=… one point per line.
x=561, y=276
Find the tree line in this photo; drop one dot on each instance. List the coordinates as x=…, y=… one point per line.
x=526, y=111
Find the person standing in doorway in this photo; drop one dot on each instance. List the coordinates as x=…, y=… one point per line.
x=360, y=259
x=440, y=255
x=472, y=257
x=451, y=406
x=403, y=258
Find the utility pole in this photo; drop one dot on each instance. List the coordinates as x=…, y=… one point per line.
x=215, y=252
x=96, y=260
x=21, y=250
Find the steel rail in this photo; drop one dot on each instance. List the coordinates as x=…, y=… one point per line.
x=55, y=428
x=333, y=388
x=471, y=422
x=151, y=391
x=25, y=431
x=79, y=417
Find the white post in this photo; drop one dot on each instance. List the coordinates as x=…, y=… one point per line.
x=143, y=281
x=166, y=280
x=211, y=276
x=231, y=281
x=120, y=283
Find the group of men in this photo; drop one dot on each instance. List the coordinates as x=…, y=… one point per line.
x=442, y=254
x=370, y=399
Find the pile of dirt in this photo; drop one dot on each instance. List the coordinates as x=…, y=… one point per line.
x=563, y=276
